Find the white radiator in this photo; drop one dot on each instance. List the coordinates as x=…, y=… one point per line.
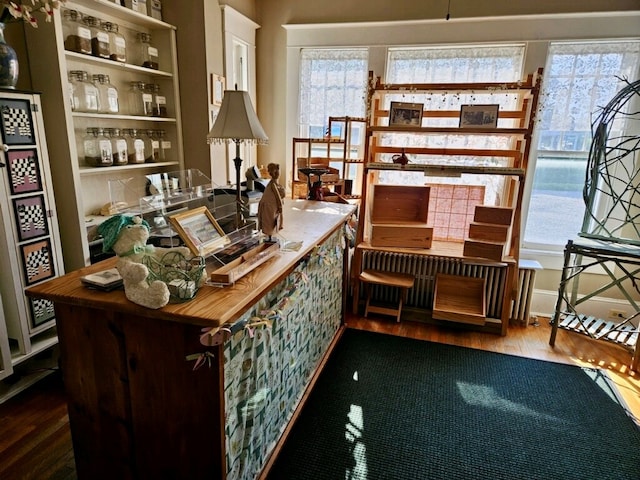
x=425, y=268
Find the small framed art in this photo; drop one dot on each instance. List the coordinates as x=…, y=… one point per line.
x=217, y=89
x=24, y=171
x=475, y=116
x=37, y=261
x=31, y=217
x=199, y=231
x=16, y=122
x=403, y=114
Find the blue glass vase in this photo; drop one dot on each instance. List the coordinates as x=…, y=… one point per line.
x=8, y=63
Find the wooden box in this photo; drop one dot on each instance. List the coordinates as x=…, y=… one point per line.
x=459, y=299
x=491, y=232
x=401, y=235
x=497, y=215
x=236, y=269
x=399, y=204
x=479, y=249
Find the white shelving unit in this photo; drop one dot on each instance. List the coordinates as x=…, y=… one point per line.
x=30, y=251
x=82, y=190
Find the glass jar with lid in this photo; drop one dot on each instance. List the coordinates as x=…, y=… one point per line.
x=107, y=94
x=148, y=53
x=77, y=35
x=100, y=46
x=159, y=104
x=135, y=145
x=118, y=146
x=154, y=9
x=151, y=147
x=140, y=100
x=116, y=41
x=97, y=148
x=165, y=145
x=85, y=94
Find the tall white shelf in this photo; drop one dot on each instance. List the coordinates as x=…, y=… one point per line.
x=81, y=190
x=30, y=251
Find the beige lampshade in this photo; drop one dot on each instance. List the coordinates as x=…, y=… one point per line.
x=237, y=120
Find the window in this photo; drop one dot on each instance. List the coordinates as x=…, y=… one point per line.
x=579, y=78
x=333, y=83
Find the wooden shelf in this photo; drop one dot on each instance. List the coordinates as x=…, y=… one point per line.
x=459, y=299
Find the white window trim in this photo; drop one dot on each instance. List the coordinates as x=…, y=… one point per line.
x=535, y=30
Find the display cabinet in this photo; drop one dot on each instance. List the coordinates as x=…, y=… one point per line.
x=474, y=167
x=30, y=251
x=82, y=189
x=169, y=198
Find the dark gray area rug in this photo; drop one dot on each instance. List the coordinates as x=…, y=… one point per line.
x=388, y=407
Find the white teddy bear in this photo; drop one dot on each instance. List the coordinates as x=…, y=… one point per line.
x=127, y=237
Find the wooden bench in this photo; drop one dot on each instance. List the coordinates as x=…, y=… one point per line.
x=402, y=281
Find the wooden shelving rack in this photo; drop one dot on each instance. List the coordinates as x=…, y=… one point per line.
x=442, y=159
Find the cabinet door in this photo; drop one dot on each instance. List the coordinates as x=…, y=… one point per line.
x=30, y=240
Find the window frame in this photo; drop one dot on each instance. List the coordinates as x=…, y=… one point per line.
x=536, y=31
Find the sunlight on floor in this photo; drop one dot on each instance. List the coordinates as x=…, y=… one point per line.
x=483, y=396
x=354, y=429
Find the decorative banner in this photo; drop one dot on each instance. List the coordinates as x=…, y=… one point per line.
x=37, y=261
x=16, y=122
x=31, y=217
x=24, y=171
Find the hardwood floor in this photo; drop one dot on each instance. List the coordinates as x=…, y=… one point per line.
x=35, y=442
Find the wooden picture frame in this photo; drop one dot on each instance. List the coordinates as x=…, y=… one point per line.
x=218, y=85
x=479, y=116
x=404, y=114
x=199, y=231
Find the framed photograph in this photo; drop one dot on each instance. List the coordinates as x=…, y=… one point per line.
x=217, y=89
x=405, y=114
x=199, y=231
x=31, y=217
x=24, y=171
x=472, y=116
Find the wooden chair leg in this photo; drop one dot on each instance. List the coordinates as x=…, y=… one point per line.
x=367, y=288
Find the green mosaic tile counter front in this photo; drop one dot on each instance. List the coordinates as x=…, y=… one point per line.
x=268, y=368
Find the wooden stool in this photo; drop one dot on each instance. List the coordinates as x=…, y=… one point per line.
x=399, y=280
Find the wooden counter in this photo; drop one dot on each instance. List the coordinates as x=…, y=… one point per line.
x=306, y=221
x=137, y=407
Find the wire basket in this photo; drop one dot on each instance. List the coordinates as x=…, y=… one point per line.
x=183, y=276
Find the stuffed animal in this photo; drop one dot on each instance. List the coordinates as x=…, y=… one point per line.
x=127, y=237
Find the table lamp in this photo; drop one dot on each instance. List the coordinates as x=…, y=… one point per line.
x=237, y=122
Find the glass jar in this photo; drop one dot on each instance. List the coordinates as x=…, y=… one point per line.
x=140, y=101
x=100, y=46
x=107, y=94
x=148, y=53
x=142, y=6
x=116, y=41
x=159, y=102
x=72, y=85
x=151, y=147
x=97, y=148
x=154, y=9
x=165, y=145
x=133, y=5
x=118, y=146
x=135, y=146
x=85, y=96
x=77, y=35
